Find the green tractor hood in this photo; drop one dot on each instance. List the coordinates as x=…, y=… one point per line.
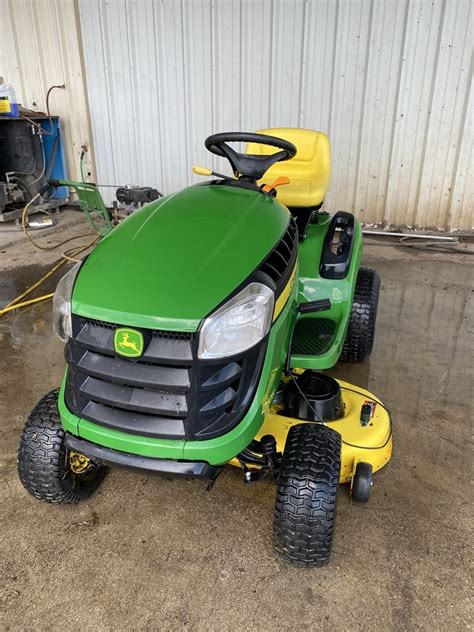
x=171, y=263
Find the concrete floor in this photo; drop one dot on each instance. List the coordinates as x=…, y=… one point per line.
x=147, y=554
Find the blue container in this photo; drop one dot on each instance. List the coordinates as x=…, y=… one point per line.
x=57, y=170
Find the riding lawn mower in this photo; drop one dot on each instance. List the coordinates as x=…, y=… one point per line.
x=197, y=332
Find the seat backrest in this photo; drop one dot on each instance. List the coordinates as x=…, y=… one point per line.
x=309, y=171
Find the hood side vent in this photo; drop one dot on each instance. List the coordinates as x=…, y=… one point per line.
x=280, y=262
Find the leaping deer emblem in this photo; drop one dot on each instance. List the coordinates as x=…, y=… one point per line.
x=125, y=343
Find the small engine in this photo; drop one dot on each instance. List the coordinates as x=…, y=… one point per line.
x=131, y=198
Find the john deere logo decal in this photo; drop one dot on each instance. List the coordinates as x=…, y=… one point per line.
x=128, y=342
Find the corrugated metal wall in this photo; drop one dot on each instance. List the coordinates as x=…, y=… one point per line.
x=389, y=81
x=40, y=47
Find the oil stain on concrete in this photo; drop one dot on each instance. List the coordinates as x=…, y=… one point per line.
x=148, y=554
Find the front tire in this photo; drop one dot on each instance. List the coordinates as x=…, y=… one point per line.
x=45, y=465
x=361, y=329
x=305, y=509
x=362, y=482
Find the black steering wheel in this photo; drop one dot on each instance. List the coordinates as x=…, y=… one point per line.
x=249, y=166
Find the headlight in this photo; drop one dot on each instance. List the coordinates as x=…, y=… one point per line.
x=239, y=324
x=62, y=303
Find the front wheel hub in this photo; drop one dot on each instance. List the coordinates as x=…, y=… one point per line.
x=79, y=463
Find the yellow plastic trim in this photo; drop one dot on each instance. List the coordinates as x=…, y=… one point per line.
x=284, y=296
x=309, y=171
x=374, y=442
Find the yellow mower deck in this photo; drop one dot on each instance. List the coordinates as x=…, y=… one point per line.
x=371, y=444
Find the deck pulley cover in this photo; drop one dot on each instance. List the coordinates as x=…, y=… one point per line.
x=315, y=397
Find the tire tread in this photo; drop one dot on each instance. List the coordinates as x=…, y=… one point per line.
x=42, y=456
x=360, y=335
x=305, y=508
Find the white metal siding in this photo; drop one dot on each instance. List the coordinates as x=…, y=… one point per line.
x=389, y=81
x=40, y=47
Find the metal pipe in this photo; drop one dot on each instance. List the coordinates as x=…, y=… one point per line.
x=383, y=233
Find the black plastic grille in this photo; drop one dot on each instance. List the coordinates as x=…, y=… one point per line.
x=156, y=333
x=166, y=393
x=279, y=263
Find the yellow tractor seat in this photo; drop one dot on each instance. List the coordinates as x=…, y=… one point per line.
x=309, y=171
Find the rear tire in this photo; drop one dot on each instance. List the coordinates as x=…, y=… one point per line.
x=361, y=330
x=44, y=465
x=305, y=509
